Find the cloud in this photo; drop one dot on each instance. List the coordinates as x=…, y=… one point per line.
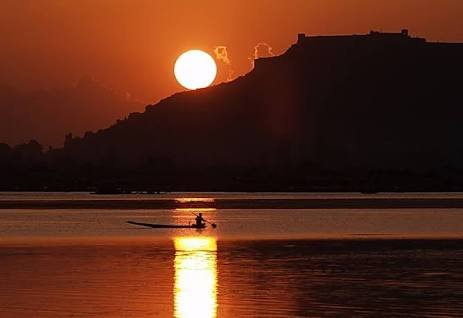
x=221, y=54
x=262, y=49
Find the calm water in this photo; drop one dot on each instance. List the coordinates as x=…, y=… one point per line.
x=257, y=263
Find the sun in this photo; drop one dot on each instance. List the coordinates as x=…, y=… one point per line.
x=195, y=69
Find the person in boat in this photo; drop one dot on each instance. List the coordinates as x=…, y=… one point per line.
x=200, y=222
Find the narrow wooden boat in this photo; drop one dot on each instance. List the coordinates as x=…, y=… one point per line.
x=167, y=226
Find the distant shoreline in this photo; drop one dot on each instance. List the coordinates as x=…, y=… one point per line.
x=311, y=203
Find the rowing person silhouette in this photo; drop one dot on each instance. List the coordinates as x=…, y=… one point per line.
x=200, y=221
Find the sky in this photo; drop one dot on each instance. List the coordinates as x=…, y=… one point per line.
x=129, y=47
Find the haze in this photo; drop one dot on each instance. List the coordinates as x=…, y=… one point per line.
x=72, y=66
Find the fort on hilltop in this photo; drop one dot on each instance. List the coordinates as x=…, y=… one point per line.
x=373, y=36
x=373, y=39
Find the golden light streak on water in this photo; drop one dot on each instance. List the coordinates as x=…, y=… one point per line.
x=193, y=200
x=195, y=290
x=195, y=210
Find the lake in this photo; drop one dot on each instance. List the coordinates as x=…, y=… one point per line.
x=271, y=255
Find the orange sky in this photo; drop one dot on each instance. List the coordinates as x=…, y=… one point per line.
x=131, y=45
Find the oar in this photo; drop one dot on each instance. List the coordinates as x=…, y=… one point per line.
x=213, y=224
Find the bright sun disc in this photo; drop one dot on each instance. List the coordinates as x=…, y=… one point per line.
x=195, y=69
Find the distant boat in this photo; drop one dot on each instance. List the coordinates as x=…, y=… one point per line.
x=168, y=226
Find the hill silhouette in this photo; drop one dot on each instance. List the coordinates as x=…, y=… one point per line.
x=47, y=115
x=370, y=112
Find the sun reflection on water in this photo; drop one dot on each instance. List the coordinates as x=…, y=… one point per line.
x=195, y=292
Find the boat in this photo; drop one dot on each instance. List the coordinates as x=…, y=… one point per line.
x=168, y=226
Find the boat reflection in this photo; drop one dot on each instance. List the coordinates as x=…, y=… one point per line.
x=195, y=291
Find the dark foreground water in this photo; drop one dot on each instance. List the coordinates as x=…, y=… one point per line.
x=257, y=263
